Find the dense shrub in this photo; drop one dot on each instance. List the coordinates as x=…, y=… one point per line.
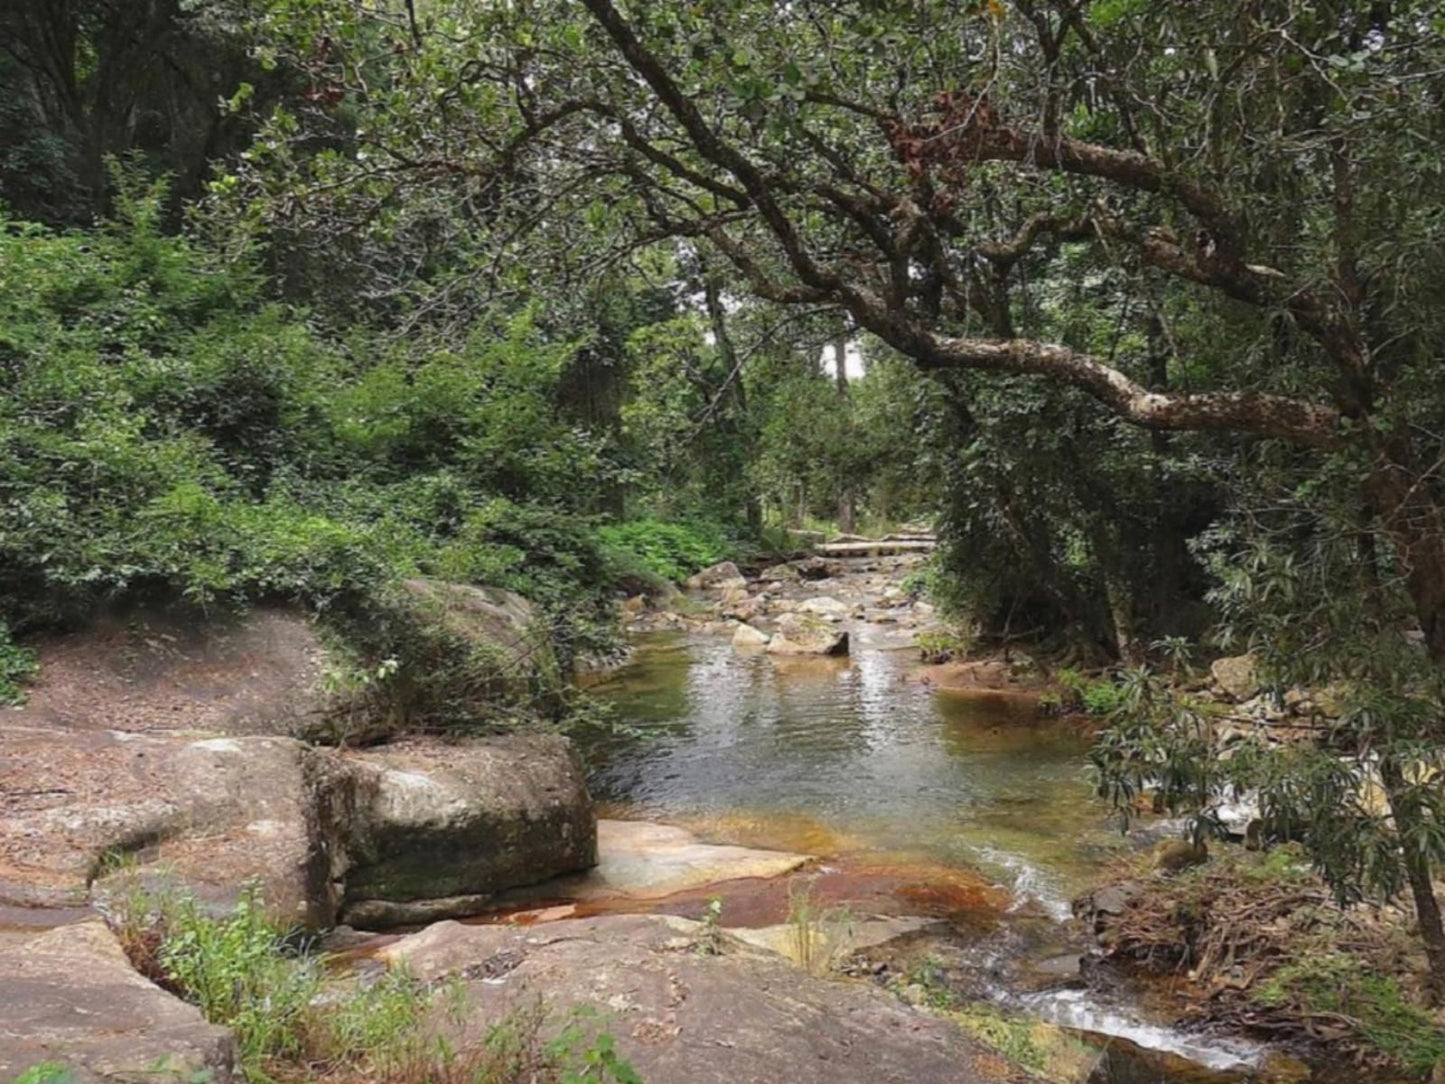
x=165, y=430
x=672, y=551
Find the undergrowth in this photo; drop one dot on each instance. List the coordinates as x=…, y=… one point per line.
x=17, y=666
x=1268, y=950
x=1335, y=990
x=1096, y=696
x=293, y=1024
x=671, y=551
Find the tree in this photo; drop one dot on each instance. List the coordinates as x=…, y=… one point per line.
x=921, y=171
x=913, y=167
x=83, y=80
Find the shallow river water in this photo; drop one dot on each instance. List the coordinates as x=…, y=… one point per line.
x=863, y=764
x=851, y=757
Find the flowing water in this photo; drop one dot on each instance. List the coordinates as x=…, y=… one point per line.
x=852, y=757
x=859, y=762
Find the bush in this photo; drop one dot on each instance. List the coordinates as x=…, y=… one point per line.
x=1097, y=696
x=165, y=432
x=673, y=551
x=17, y=664
x=248, y=974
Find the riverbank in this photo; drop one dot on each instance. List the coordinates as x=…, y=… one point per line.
x=914, y=830
x=173, y=845
x=847, y=755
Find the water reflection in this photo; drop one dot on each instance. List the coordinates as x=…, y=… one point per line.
x=850, y=752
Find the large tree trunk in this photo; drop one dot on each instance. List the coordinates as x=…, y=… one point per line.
x=1414, y=525
x=737, y=418
x=1131, y=649
x=1406, y=811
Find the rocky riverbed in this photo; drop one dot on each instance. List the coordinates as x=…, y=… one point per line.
x=160, y=753
x=824, y=861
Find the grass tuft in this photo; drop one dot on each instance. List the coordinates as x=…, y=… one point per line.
x=294, y=1025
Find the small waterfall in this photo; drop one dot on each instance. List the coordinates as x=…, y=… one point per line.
x=1077, y=1010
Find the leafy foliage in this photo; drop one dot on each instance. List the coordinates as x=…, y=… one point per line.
x=1334, y=983
x=248, y=974
x=17, y=663
x=166, y=430
x=672, y=551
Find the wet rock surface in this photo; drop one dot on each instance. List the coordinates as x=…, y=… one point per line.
x=639, y=860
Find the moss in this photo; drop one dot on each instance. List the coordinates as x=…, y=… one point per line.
x=1334, y=983
x=1043, y=1049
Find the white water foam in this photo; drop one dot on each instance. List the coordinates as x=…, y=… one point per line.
x=1074, y=1009
x=1028, y=883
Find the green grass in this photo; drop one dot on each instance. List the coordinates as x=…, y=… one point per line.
x=294, y=1024
x=816, y=935
x=47, y=1072
x=1011, y=1036
x=1335, y=983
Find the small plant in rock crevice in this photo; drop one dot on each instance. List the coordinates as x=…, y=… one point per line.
x=295, y=1024
x=817, y=936
x=710, y=934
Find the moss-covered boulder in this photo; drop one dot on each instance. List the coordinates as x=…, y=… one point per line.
x=434, y=829
x=432, y=656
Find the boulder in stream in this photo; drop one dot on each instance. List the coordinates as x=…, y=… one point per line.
x=746, y=636
x=804, y=634
x=718, y=575
x=823, y=606
x=434, y=829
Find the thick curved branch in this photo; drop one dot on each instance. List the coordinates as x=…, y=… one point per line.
x=1007, y=253
x=1259, y=414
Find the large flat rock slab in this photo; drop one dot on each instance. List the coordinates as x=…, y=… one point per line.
x=743, y=1017
x=254, y=672
x=79, y=807
x=70, y=996
x=640, y=860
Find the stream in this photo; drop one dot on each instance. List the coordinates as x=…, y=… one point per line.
x=962, y=806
